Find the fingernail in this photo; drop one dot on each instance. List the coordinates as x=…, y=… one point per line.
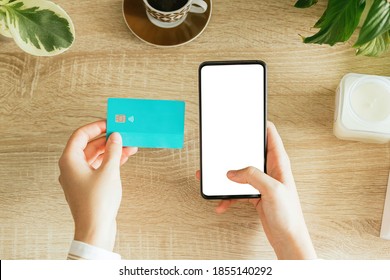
x=232, y=173
x=116, y=138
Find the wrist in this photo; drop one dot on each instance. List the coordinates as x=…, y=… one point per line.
x=296, y=247
x=102, y=237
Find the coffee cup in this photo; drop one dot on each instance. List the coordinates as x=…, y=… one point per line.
x=171, y=13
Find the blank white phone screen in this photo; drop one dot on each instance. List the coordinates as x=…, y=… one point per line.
x=232, y=125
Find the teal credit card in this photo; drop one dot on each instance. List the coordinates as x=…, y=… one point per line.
x=147, y=123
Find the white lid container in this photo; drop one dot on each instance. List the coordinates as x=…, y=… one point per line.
x=362, y=110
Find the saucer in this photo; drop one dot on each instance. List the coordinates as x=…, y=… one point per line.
x=136, y=19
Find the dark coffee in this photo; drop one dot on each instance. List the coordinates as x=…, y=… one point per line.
x=167, y=5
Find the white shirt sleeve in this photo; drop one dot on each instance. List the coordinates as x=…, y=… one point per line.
x=83, y=251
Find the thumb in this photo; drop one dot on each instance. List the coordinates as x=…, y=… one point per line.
x=113, y=152
x=256, y=178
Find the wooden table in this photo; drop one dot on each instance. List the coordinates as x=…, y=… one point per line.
x=162, y=216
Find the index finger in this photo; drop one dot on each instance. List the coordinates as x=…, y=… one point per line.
x=277, y=159
x=275, y=143
x=80, y=138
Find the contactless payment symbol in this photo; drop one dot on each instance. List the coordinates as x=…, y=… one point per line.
x=131, y=119
x=120, y=118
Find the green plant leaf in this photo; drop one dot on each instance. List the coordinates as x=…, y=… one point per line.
x=376, y=46
x=39, y=27
x=305, y=3
x=3, y=25
x=4, y=29
x=377, y=22
x=338, y=22
x=2, y=15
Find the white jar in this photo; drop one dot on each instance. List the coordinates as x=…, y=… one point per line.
x=362, y=110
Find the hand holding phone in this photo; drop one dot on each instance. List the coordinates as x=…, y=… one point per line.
x=279, y=208
x=232, y=98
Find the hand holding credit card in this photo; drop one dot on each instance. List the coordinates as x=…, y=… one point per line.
x=147, y=123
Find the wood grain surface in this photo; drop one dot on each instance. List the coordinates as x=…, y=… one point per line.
x=341, y=184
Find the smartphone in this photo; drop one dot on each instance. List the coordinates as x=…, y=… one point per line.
x=233, y=115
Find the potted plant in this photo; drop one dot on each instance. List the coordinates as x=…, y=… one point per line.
x=342, y=17
x=39, y=27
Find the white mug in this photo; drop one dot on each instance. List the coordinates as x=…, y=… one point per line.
x=174, y=18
